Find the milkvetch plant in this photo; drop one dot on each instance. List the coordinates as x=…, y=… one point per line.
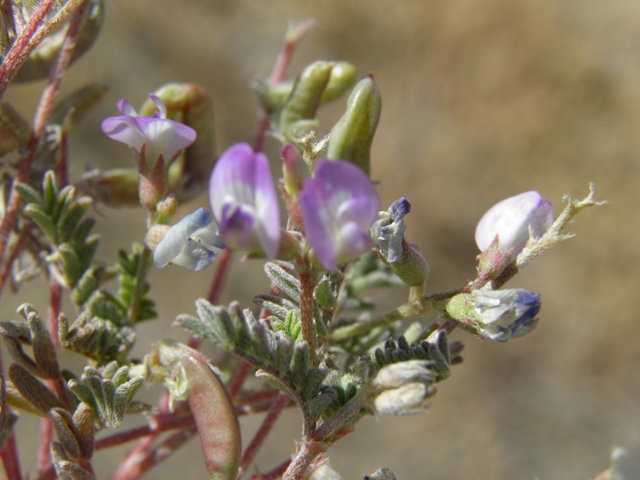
x=314, y=340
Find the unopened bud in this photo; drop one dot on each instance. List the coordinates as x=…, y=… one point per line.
x=513, y=220
x=352, y=136
x=155, y=235
x=405, y=400
x=397, y=374
x=497, y=314
x=167, y=208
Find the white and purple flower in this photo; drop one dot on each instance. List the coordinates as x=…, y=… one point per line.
x=511, y=220
x=159, y=135
x=191, y=243
x=497, y=314
x=243, y=199
x=339, y=206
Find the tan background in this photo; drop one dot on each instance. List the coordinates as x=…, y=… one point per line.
x=482, y=99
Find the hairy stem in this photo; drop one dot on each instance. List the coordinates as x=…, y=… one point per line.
x=307, y=284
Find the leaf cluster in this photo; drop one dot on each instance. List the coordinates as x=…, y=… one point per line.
x=59, y=215
x=108, y=392
x=282, y=359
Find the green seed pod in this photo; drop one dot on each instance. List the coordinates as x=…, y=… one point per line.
x=352, y=136
x=273, y=97
x=299, y=113
x=343, y=77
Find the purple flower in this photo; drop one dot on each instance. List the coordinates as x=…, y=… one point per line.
x=157, y=134
x=244, y=201
x=191, y=243
x=339, y=206
x=512, y=218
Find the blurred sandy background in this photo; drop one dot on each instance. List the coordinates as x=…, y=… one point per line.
x=482, y=100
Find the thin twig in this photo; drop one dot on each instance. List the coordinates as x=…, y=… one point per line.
x=23, y=46
x=17, y=249
x=10, y=459
x=166, y=424
x=295, y=34
x=276, y=409
x=273, y=474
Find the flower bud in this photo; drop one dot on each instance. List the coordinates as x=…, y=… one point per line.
x=352, y=136
x=497, y=314
x=405, y=400
x=512, y=219
x=397, y=374
x=155, y=235
x=167, y=208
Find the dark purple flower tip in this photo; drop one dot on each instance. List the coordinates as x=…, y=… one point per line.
x=339, y=206
x=243, y=200
x=389, y=230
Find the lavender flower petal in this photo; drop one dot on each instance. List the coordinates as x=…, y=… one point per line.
x=244, y=201
x=339, y=205
x=159, y=135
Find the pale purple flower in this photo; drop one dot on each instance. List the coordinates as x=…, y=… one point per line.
x=339, y=206
x=191, y=243
x=243, y=199
x=512, y=218
x=159, y=135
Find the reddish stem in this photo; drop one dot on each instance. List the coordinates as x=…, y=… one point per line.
x=22, y=46
x=6, y=270
x=275, y=473
x=45, y=105
x=274, y=412
x=10, y=460
x=44, y=452
x=238, y=378
x=222, y=269
x=294, y=36
x=170, y=423
x=258, y=397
